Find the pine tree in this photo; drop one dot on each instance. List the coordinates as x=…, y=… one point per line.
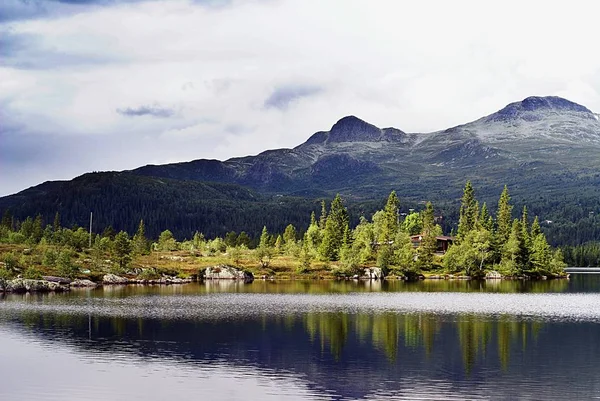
x=122, y=250
x=504, y=217
x=428, y=242
x=264, y=252
x=337, y=220
x=323, y=217
x=140, y=243
x=390, y=220
x=289, y=235
x=485, y=220
x=535, y=228
x=468, y=211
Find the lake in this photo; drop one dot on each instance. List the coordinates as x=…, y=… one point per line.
x=305, y=340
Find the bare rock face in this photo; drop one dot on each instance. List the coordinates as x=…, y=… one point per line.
x=114, y=279
x=372, y=273
x=223, y=272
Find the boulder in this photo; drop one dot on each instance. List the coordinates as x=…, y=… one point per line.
x=59, y=280
x=83, y=283
x=372, y=273
x=114, y=279
x=493, y=275
x=223, y=272
x=26, y=285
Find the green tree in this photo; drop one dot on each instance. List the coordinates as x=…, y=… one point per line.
x=122, y=250
x=390, y=219
x=337, y=221
x=364, y=241
x=243, y=240
x=264, y=252
x=413, y=224
x=504, y=217
x=65, y=265
x=323, y=217
x=231, y=239
x=166, y=241
x=468, y=211
x=141, y=246
x=429, y=241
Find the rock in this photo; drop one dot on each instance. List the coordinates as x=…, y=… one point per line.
x=493, y=275
x=372, y=273
x=114, y=279
x=223, y=272
x=59, y=280
x=83, y=283
x=463, y=277
x=26, y=285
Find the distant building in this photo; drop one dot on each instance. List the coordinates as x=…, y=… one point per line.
x=443, y=242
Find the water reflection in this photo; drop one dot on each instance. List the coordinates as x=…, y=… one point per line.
x=274, y=334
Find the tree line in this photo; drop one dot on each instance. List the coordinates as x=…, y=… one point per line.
x=514, y=247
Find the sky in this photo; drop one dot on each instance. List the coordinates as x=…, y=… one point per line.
x=97, y=85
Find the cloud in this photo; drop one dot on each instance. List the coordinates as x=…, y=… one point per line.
x=154, y=111
x=186, y=79
x=282, y=97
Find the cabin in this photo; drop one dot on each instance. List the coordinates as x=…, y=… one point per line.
x=443, y=242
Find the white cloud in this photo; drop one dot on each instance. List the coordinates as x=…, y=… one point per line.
x=418, y=66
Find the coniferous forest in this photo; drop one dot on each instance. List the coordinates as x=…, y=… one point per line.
x=486, y=239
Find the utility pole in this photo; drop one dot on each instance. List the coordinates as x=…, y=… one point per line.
x=90, y=229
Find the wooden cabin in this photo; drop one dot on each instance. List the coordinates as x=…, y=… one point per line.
x=443, y=242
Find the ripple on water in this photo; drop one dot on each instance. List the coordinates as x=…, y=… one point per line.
x=572, y=307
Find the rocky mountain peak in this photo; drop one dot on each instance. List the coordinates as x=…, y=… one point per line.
x=536, y=107
x=353, y=129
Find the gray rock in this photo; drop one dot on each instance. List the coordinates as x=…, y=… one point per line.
x=372, y=273
x=27, y=285
x=493, y=275
x=83, y=283
x=223, y=272
x=59, y=280
x=114, y=279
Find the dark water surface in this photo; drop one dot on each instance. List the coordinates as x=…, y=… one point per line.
x=305, y=341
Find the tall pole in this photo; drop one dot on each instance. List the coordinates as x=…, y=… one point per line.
x=90, y=230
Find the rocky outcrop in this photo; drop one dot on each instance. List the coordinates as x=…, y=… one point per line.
x=493, y=275
x=21, y=285
x=83, y=284
x=59, y=280
x=223, y=272
x=111, y=279
x=372, y=273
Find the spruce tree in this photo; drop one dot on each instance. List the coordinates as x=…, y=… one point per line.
x=390, y=220
x=428, y=242
x=122, y=250
x=140, y=243
x=468, y=211
x=504, y=217
x=337, y=220
x=323, y=217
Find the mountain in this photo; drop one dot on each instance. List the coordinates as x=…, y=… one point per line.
x=544, y=148
x=546, y=135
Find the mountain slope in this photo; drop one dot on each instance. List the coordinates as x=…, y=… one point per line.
x=544, y=148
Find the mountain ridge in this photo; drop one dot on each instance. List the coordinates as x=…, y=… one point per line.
x=541, y=147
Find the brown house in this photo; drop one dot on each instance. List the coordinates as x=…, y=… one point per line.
x=443, y=242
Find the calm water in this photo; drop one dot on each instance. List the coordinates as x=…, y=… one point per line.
x=305, y=341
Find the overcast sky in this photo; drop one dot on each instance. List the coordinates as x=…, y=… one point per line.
x=111, y=85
